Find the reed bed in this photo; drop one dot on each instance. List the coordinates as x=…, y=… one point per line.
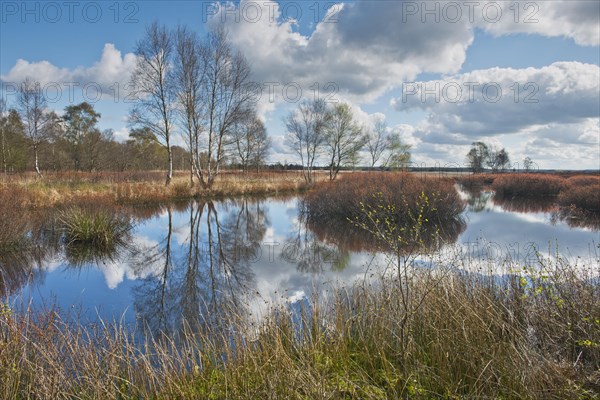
x=528, y=185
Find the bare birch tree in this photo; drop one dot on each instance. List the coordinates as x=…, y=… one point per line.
x=306, y=128
x=376, y=141
x=190, y=76
x=153, y=88
x=227, y=100
x=31, y=105
x=251, y=143
x=344, y=139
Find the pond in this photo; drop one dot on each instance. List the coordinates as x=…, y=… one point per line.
x=196, y=262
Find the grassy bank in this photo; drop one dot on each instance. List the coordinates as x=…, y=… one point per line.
x=143, y=187
x=533, y=335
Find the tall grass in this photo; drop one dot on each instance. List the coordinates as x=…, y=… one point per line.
x=13, y=219
x=530, y=335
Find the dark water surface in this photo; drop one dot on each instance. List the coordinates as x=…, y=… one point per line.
x=208, y=259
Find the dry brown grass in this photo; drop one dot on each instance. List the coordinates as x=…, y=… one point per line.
x=143, y=187
x=528, y=185
x=581, y=192
x=477, y=180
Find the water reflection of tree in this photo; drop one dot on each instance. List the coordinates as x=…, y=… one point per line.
x=34, y=243
x=312, y=253
x=478, y=199
x=339, y=239
x=202, y=282
x=38, y=237
x=19, y=266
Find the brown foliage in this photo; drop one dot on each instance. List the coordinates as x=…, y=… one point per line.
x=13, y=217
x=528, y=185
x=582, y=192
x=477, y=180
x=341, y=200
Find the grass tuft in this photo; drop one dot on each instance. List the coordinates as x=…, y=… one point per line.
x=99, y=228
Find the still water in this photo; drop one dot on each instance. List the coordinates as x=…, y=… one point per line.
x=208, y=259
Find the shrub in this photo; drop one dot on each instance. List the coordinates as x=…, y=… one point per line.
x=341, y=199
x=528, y=185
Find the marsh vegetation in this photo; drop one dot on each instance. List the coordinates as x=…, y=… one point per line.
x=374, y=285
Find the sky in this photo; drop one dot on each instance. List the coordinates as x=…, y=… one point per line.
x=520, y=75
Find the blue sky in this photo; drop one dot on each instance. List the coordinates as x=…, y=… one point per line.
x=369, y=50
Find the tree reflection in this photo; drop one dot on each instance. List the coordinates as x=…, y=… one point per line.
x=332, y=243
x=312, y=253
x=478, y=199
x=205, y=280
x=33, y=243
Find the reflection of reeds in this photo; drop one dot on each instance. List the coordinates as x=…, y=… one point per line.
x=577, y=218
x=526, y=204
x=348, y=237
x=533, y=336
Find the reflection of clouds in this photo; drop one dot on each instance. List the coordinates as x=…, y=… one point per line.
x=490, y=237
x=296, y=296
x=52, y=264
x=517, y=229
x=181, y=234
x=115, y=271
x=534, y=218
